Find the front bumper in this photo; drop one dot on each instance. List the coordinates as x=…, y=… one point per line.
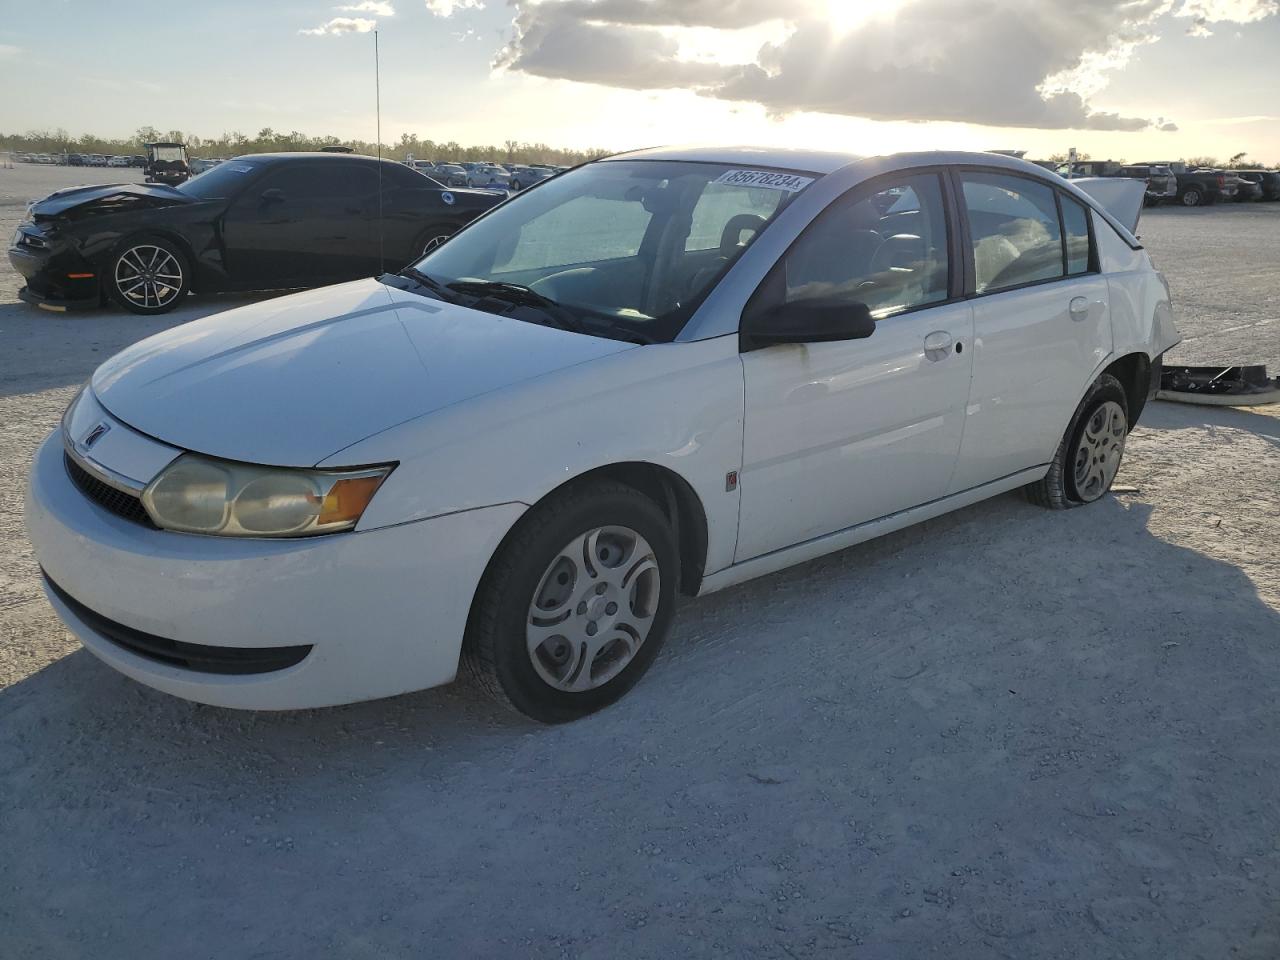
x=383, y=611
x=57, y=278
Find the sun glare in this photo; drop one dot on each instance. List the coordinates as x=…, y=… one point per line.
x=845, y=15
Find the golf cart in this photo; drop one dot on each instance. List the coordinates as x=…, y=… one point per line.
x=167, y=163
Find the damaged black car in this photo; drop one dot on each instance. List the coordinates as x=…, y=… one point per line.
x=263, y=222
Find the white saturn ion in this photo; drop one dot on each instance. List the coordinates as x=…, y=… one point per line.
x=664, y=372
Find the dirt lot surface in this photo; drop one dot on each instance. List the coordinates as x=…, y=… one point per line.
x=1004, y=733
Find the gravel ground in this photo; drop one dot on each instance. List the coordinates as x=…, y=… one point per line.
x=1003, y=733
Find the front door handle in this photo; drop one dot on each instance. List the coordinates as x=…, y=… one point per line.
x=937, y=345
x=1079, y=308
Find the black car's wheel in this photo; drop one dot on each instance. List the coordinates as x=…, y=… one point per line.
x=515, y=185
x=147, y=275
x=431, y=238
x=575, y=604
x=1192, y=197
x=1088, y=458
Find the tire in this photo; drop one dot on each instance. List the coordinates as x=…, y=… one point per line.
x=515, y=185
x=528, y=575
x=147, y=274
x=1071, y=482
x=1191, y=197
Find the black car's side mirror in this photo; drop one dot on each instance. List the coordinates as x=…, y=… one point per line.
x=807, y=321
x=273, y=195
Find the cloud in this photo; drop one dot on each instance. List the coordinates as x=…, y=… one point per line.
x=1012, y=63
x=447, y=8
x=1205, y=12
x=379, y=8
x=8, y=51
x=340, y=25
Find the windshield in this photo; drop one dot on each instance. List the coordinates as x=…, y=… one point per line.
x=629, y=247
x=168, y=154
x=218, y=182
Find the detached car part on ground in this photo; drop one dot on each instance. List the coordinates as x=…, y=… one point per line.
x=1232, y=386
x=665, y=372
x=264, y=222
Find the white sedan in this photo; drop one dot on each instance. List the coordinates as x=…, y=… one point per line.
x=665, y=372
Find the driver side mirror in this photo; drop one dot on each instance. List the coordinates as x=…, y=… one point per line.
x=806, y=321
x=273, y=195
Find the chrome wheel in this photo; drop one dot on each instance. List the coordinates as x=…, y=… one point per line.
x=434, y=242
x=593, y=609
x=148, y=276
x=1098, y=454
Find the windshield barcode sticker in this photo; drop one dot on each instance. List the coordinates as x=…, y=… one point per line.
x=764, y=178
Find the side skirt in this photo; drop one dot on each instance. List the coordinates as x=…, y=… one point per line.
x=848, y=537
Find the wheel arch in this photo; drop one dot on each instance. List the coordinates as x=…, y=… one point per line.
x=177, y=239
x=669, y=491
x=1133, y=370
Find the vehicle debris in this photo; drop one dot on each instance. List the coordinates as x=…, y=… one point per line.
x=1243, y=385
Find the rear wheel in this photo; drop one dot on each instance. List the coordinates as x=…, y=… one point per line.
x=1192, y=197
x=1088, y=457
x=148, y=275
x=575, y=605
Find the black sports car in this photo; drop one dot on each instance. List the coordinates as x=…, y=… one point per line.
x=262, y=222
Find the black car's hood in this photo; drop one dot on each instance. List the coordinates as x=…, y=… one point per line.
x=108, y=198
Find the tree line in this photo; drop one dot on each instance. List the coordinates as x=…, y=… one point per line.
x=267, y=140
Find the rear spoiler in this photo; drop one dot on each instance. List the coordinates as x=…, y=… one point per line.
x=1120, y=197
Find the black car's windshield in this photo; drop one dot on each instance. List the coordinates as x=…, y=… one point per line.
x=220, y=182
x=628, y=247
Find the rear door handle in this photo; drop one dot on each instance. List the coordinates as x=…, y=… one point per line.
x=937, y=345
x=1079, y=308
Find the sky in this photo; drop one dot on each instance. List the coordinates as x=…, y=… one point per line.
x=1126, y=79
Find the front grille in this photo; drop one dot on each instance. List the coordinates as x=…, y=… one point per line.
x=191, y=656
x=106, y=496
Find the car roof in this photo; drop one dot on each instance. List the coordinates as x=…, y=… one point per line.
x=814, y=161
x=311, y=157
x=824, y=161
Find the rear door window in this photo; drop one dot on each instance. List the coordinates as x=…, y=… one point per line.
x=1013, y=226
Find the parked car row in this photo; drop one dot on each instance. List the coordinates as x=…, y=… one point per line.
x=514, y=177
x=1172, y=182
x=80, y=159
x=258, y=222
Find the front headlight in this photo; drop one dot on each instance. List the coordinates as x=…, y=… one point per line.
x=197, y=494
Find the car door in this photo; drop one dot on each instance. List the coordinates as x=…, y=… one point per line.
x=837, y=434
x=304, y=222
x=1041, y=316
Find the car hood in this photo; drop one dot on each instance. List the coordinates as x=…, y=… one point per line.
x=108, y=198
x=295, y=380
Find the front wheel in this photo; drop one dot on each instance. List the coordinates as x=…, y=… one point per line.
x=1088, y=457
x=148, y=275
x=576, y=603
x=1192, y=197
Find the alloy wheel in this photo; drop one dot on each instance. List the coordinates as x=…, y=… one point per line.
x=1098, y=454
x=149, y=276
x=593, y=609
